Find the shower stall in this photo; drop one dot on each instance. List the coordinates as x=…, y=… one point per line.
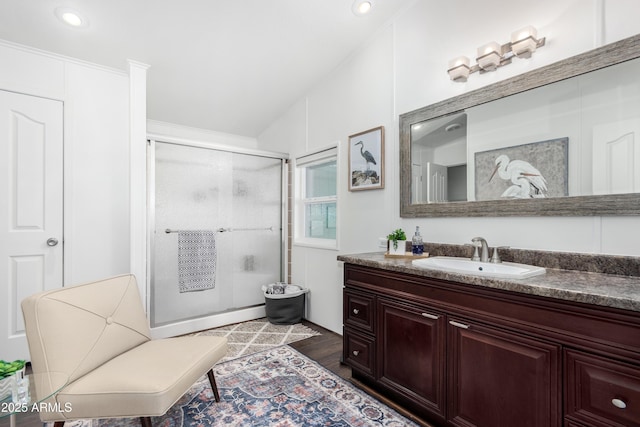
x=236, y=197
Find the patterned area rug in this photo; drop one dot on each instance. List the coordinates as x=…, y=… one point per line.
x=278, y=388
x=258, y=335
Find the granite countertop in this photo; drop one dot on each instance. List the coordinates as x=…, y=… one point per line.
x=604, y=289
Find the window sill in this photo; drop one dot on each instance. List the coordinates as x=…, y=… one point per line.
x=326, y=244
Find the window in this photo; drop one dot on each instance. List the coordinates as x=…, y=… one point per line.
x=316, y=198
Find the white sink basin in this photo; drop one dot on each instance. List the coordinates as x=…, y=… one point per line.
x=506, y=270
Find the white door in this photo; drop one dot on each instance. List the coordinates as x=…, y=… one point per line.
x=437, y=183
x=616, y=157
x=30, y=211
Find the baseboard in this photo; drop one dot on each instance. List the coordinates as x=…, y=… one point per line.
x=214, y=321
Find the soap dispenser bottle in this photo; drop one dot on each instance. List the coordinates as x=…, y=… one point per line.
x=417, y=246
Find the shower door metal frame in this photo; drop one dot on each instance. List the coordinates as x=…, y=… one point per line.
x=219, y=319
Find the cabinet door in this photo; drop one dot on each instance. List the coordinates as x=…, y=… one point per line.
x=411, y=345
x=500, y=379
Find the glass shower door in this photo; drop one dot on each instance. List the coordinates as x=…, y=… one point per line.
x=239, y=196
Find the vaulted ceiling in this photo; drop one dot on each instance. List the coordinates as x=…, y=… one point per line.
x=225, y=65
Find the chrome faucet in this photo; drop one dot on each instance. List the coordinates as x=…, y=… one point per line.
x=484, y=252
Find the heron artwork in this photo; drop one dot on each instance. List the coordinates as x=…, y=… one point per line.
x=527, y=181
x=367, y=156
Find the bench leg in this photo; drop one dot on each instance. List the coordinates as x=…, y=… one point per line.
x=214, y=387
x=145, y=421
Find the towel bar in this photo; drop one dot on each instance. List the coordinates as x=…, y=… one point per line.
x=224, y=230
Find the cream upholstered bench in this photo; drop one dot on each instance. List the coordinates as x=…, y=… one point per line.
x=98, y=335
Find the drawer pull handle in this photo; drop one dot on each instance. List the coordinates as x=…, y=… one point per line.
x=458, y=324
x=619, y=403
x=356, y=311
x=430, y=316
x=356, y=352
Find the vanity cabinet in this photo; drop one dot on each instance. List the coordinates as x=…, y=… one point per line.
x=464, y=355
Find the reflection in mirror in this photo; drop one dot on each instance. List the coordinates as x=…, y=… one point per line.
x=439, y=159
x=576, y=137
x=569, y=129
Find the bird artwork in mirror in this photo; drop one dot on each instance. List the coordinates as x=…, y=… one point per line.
x=526, y=180
x=530, y=171
x=366, y=160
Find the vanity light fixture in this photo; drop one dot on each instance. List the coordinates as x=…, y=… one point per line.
x=459, y=69
x=491, y=56
x=524, y=42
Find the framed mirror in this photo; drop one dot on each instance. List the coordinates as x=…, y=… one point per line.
x=560, y=140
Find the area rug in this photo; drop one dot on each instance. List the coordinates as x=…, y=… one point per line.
x=258, y=335
x=278, y=388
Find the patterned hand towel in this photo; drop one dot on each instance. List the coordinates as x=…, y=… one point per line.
x=196, y=260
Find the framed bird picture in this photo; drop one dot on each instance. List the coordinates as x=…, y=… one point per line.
x=366, y=160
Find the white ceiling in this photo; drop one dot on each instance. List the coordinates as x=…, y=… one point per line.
x=225, y=65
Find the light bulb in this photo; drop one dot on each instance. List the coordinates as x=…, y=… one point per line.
x=364, y=7
x=71, y=17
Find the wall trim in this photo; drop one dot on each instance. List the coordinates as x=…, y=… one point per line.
x=60, y=57
x=138, y=175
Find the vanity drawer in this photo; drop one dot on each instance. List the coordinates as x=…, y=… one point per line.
x=358, y=310
x=601, y=392
x=359, y=351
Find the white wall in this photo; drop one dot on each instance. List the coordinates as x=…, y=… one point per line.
x=96, y=154
x=404, y=68
x=357, y=97
x=96, y=173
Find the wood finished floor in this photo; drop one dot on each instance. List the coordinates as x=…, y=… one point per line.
x=326, y=349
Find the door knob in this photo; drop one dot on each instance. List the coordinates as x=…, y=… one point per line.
x=52, y=241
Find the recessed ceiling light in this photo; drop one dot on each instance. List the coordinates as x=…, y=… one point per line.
x=71, y=17
x=362, y=7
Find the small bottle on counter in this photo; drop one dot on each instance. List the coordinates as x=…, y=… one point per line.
x=417, y=245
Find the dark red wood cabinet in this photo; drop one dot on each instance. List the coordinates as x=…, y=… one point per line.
x=463, y=355
x=411, y=350
x=500, y=378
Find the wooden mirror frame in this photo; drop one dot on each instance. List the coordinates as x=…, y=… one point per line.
x=617, y=204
